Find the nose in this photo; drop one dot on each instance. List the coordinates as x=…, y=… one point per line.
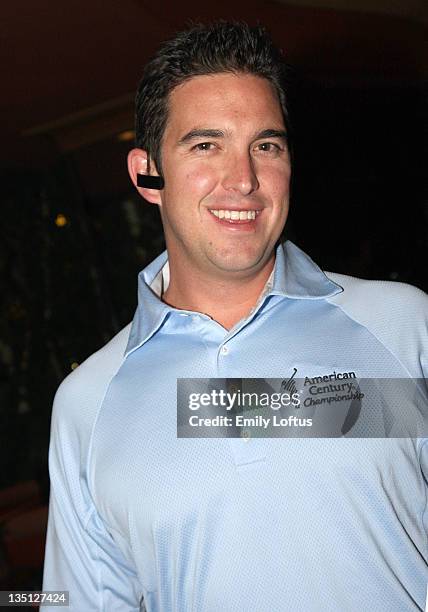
x=240, y=175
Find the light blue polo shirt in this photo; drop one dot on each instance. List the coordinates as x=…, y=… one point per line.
x=240, y=525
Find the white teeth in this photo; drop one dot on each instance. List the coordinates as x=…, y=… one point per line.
x=235, y=215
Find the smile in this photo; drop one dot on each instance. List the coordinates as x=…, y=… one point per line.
x=236, y=215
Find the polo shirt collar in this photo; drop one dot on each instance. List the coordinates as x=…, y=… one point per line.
x=151, y=311
x=295, y=276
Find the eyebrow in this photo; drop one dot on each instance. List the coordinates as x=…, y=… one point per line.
x=209, y=133
x=272, y=134
x=202, y=133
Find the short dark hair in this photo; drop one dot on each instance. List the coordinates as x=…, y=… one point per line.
x=204, y=49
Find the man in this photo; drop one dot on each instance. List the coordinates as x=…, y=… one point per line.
x=236, y=524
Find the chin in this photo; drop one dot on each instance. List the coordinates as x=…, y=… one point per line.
x=238, y=262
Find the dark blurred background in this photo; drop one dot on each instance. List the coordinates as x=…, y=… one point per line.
x=75, y=234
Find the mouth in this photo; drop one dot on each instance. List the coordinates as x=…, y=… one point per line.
x=235, y=217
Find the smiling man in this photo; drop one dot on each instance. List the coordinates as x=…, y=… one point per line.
x=227, y=169
x=141, y=517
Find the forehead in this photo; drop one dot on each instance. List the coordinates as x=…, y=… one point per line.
x=219, y=99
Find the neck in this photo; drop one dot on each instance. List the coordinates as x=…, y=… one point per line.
x=226, y=300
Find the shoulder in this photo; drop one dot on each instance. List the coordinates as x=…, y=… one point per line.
x=80, y=394
x=387, y=296
x=396, y=313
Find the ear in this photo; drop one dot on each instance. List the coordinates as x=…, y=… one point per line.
x=137, y=164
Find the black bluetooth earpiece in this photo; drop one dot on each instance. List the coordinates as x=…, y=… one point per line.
x=150, y=182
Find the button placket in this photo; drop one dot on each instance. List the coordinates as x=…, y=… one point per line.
x=242, y=452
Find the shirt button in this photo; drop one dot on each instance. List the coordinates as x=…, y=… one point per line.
x=246, y=435
x=224, y=350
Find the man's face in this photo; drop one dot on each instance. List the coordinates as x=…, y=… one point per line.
x=224, y=156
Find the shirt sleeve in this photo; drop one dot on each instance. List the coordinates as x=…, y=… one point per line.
x=81, y=555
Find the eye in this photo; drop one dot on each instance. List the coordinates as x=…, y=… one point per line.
x=203, y=146
x=269, y=147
